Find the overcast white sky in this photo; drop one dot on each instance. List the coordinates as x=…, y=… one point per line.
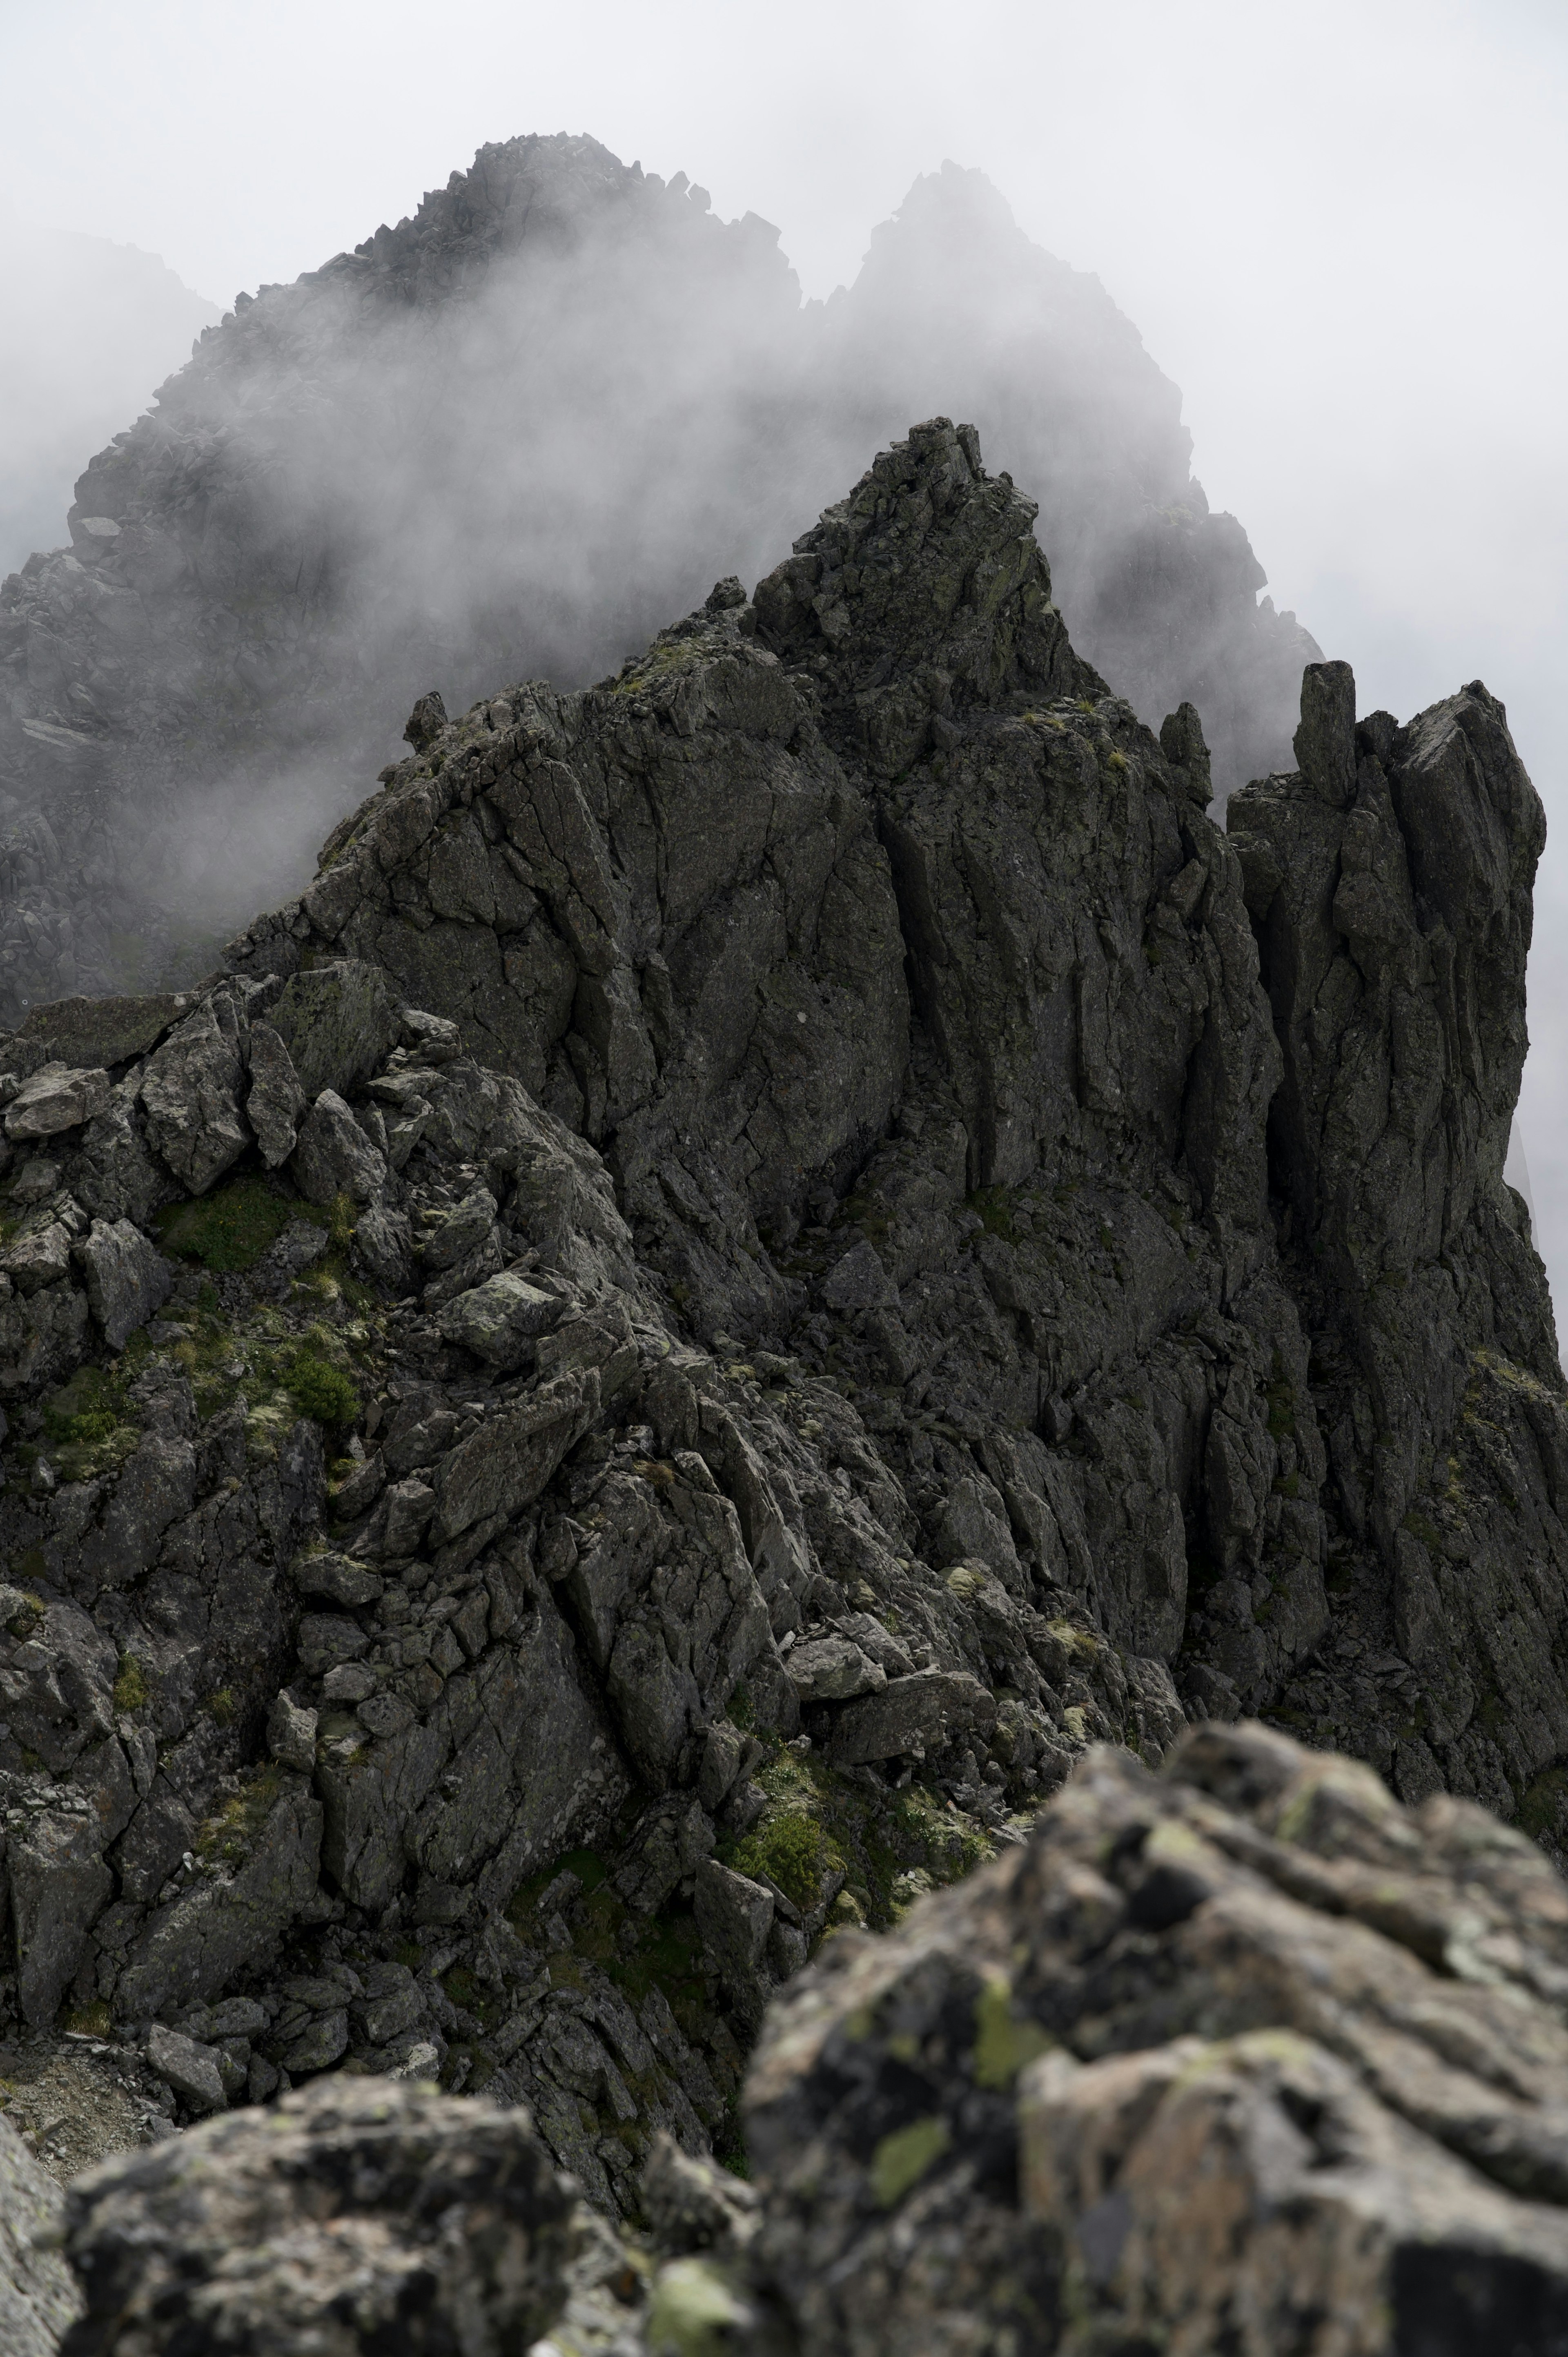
x=1340, y=228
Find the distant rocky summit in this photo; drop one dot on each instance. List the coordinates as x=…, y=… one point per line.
x=774, y=1251
x=507, y=439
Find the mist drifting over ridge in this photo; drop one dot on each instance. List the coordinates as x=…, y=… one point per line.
x=507, y=439
x=90, y=326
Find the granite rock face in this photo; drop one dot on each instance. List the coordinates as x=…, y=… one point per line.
x=841, y=1244
x=194, y=686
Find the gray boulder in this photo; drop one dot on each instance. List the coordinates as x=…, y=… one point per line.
x=383, y=1245
x=189, y=2068
x=500, y=1319
x=276, y=1098
x=859, y=1281
x=833, y=1669
x=457, y=1237
x=55, y=1099
x=127, y=1279
x=734, y=1916
x=191, y=1097
x=338, y=1576
x=91, y=1031
x=505, y=1465
x=291, y=1733
x=1195, y=2067
x=234, y=1914
x=301, y=1244
x=416, y=2223
x=333, y=1155
x=338, y=1024
x=921, y=1712
x=40, y=1256
x=60, y=1883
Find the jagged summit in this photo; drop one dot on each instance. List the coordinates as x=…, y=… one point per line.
x=508, y=438
x=777, y=1246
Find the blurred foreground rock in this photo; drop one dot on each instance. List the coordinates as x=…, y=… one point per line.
x=39, y=2294
x=1240, y=2056
x=356, y=2216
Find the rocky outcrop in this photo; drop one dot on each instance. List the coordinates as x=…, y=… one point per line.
x=774, y=1248
x=1240, y=2055
x=1244, y=2055
x=333, y=496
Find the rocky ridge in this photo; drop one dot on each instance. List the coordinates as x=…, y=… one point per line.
x=337, y=494
x=774, y=1248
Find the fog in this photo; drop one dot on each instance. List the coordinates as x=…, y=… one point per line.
x=90, y=326
x=1338, y=230
x=510, y=439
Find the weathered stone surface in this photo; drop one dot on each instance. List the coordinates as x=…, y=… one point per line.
x=509, y=1461
x=338, y=1025
x=301, y=1244
x=333, y=1157
x=831, y=1669
x=928, y=1708
x=692, y=2205
x=190, y=1096
x=734, y=1916
x=976, y=1310
x=457, y=1237
x=430, y=2223
x=234, y=1915
x=382, y=1245
x=276, y=1098
x=40, y=1255
x=157, y=1838
x=1390, y=884
x=190, y=2069
x=59, y=1882
x=313, y=2044
x=500, y=1319
x=1211, y=2058
x=56, y=1098
x=291, y=1733
x=1214, y=2057
x=127, y=1279
x=90, y=1033
x=511, y=1762
x=322, y=1572
x=40, y=2296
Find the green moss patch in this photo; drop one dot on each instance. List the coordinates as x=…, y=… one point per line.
x=902, y=2159
x=87, y=1427
x=230, y=1836
x=636, y=1953
x=321, y=1391
x=792, y=1851
x=877, y=1841
x=1003, y=2043
x=993, y=1208
x=132, y=1691
x=230, y=1228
